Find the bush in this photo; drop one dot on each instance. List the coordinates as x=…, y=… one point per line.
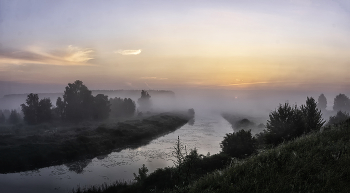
x=340, y=117
x=240, y=144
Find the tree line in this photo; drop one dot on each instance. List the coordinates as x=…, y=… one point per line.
x=77, y=104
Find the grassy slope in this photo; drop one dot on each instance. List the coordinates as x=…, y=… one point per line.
x=318, y=162
x=35, y=148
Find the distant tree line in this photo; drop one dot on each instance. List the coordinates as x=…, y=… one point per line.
x=77, y=104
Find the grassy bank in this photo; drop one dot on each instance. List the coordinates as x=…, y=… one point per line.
x=318, y=162
x=27, y=148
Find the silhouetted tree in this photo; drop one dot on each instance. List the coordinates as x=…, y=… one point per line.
x=284, y=124
x=122, y=107
x=36, y=111
x=341, y=103
x=78, y=102
x=340, y=117
x=144, y=101
x=101, y=107
x=44, y=110
x=30, y=110
x=60, y=106
x=322, y=102
x=14, y=117
x=312, y=116
x=240, y=144
x=2, y=118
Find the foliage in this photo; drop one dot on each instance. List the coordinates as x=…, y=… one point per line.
x=341, y=103
x=240, y=144
x=243, y=124
x=44, y=110
x=191, y=112
x=287, y=123
x=36, y=111
x=2, y=118
x=312, y=116
x=30, y=110
x=318, y=162
x=142, y=174
x=78, y=102
x=60, y=107
x=144, y=101
x=322, y=102
x=14, y=117
x=340, y=117
x=101, y=107
x=284, y=124
x=122, y=107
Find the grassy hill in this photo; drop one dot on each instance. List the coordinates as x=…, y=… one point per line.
x=318, y=162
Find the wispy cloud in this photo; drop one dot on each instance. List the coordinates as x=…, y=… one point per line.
x=128, y=52
x=153, y=78
x=71, y=55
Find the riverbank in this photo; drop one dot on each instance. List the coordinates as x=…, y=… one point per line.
x=317, y=162
x=42, y=146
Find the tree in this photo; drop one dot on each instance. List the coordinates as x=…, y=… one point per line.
x=44, y=110
x=14, y=117
x=312, y=116
x=78, y=102
x=60, y=106
x=341, y=103
x=2, y=118
x=30, y=110
x=284, y=124
x=122, y=107
x=322, y=102
x=340, y=117
x=101, y=107
x=144, y=101
x=240, y=144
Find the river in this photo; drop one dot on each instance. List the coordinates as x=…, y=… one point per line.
x=205, y=134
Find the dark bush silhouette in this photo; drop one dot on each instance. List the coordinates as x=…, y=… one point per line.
x=101, y=107
x=2, y=118
x=240, y=144
x=322, y=102
x=341, y=103
x=144, y=101
x=44, y=110
x=287, y=123
x=14, y=117
x=60, y=107
x=312, y=116
x=243, y=124
x=122, y=107
x=78, y=102
x=30, y=110
x=284, y=124
x=340, y=117
x=36, y=111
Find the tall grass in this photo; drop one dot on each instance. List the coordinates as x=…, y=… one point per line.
x=318, y=162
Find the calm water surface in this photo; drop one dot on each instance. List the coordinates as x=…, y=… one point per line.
x=205, y=134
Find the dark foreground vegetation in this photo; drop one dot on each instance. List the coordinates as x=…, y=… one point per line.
x=294, y=153
x=317, y=162
x=30, y=147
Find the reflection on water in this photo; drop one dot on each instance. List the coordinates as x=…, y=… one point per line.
x=204, y=133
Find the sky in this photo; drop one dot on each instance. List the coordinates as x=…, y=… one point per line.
x=198, y=44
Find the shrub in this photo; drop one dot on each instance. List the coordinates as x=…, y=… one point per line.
x=340, y=117
x=240, y=144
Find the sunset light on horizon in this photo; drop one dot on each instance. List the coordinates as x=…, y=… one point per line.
x=289, y=44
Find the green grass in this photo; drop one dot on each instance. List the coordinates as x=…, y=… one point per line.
x=33, y=147
x=318, y=162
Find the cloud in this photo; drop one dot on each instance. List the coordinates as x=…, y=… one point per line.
x=128, y=52
x=70, y=55
x=153, y=78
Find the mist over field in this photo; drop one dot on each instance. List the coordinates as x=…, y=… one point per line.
x=174, y=96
